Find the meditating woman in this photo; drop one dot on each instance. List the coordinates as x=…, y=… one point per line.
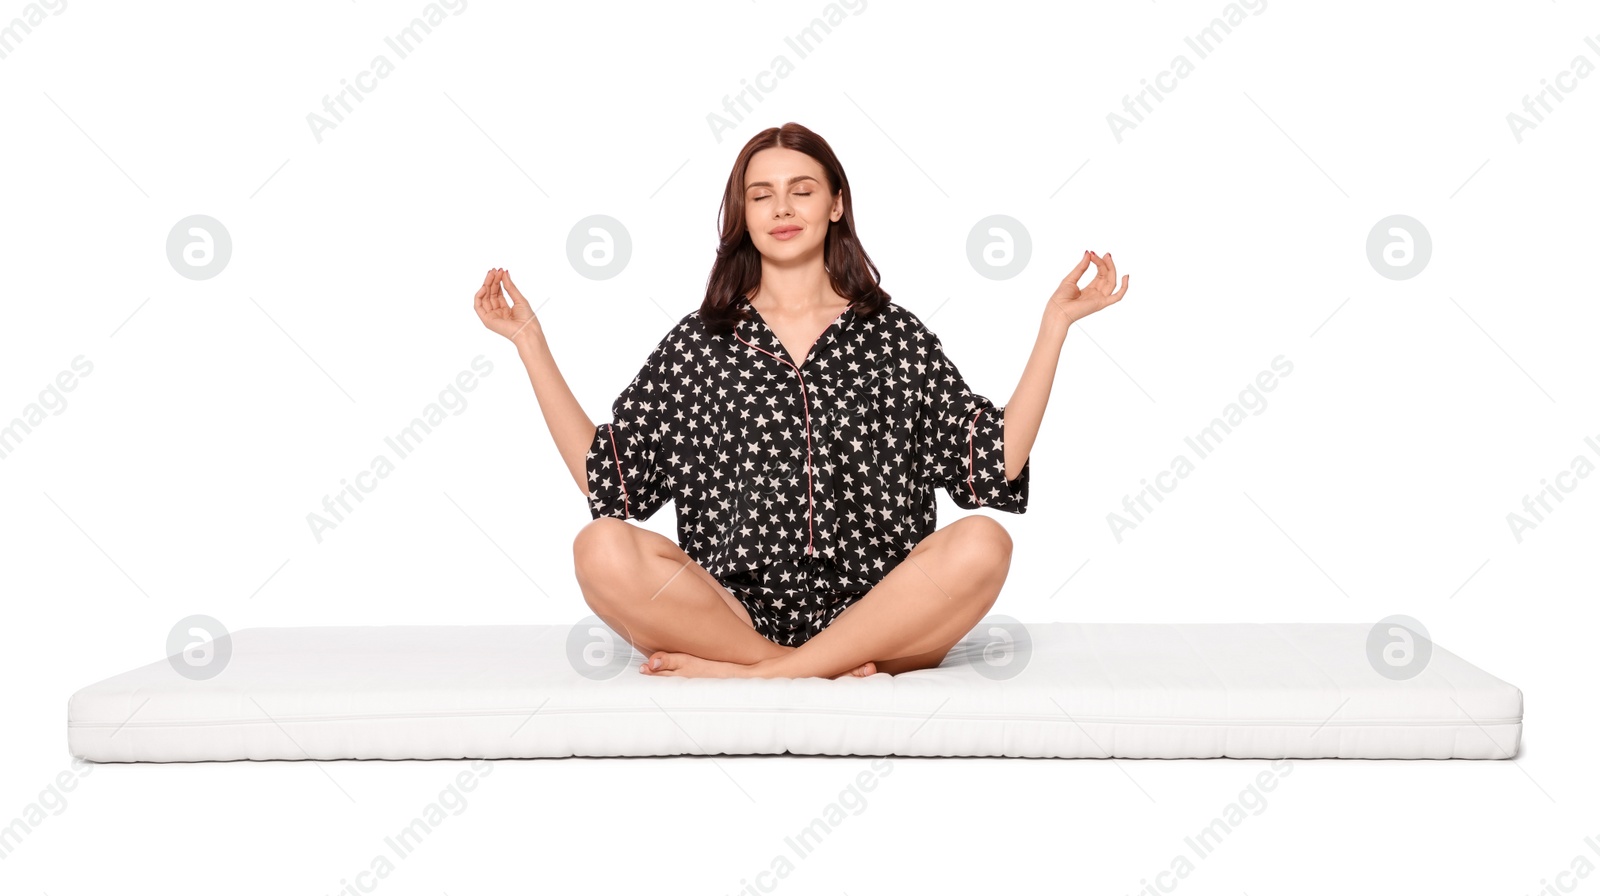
x=800, y=421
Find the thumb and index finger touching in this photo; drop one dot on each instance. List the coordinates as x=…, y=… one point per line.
x=1076, y=274
x=516, y=294
x=490, y=297
x=487, y=298
x=1083, y=265
x=1105, y=274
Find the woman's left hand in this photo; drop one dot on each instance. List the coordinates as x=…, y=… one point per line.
x=1068, y=303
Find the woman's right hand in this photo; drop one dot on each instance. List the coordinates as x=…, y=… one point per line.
x=513, y=322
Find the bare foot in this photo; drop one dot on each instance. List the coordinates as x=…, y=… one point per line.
x=685, y=665
x=861, y=671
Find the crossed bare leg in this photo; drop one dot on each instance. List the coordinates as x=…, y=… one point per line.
x=914, y=616
x=688, y=665
x=690, y=610
x=911, y=619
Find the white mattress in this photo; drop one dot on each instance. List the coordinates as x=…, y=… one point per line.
x=1087, y=690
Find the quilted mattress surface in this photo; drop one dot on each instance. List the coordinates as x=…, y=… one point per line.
x=1243, y=690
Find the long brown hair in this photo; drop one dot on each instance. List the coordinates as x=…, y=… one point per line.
x=737, y=269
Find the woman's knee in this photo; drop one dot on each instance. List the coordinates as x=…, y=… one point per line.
x=603, y=546
x=984, y=540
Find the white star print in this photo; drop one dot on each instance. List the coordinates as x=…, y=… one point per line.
x=765, y=464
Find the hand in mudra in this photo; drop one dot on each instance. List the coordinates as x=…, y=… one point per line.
x=514, y=321
x=1071, y=304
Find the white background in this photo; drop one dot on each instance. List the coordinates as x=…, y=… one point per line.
x=219, y=413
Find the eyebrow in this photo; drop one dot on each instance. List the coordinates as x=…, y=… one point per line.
x=793, y=180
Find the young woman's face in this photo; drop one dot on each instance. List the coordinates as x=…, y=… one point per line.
x=787, y=207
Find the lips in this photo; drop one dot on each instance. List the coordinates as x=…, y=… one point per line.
x=784, y=231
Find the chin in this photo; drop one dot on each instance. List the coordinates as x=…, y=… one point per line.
x=786, y=247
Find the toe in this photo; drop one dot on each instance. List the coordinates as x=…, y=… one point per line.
x=664, y=663
x=861, y=671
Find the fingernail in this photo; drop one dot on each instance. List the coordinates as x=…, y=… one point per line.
x=655, y=663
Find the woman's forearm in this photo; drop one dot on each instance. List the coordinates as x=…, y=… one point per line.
x=1025, y=411
x=569, y=426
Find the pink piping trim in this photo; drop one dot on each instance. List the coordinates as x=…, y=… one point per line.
x=811, y=534
x=971, y=429
x=613, y=431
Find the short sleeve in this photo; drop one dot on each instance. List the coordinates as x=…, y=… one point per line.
x=962, y=436
x=623, y=466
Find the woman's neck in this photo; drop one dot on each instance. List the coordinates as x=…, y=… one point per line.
x=795, y=293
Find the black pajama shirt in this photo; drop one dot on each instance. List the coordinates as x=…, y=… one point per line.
x=800, y=485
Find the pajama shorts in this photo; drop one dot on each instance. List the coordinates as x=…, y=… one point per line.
x=787, y=604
